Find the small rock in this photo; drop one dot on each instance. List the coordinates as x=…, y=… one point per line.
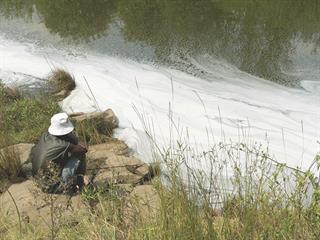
x=75, y=114
x=108, y=165
x=110, y=173
x=115, y=146
x=141, y=170
x=119, y=175
x=105, y=121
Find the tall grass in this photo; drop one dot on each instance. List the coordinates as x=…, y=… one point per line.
x=266, y=201
x=9, y=162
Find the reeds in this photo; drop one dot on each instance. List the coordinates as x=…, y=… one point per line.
x=265, y=201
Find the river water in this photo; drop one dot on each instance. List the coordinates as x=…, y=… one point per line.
x=242, y=71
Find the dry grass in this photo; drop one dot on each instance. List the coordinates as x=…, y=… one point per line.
x=91, y=133
x=61, y=80
x=9, y=161
x=259, y=206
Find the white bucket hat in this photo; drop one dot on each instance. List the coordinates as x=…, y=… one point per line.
x=60, y=125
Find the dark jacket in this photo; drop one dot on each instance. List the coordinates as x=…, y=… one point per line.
x=51, y=148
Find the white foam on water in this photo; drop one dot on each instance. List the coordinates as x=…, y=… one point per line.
x=229, y=103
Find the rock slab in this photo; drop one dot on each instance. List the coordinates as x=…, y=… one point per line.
x=34, y=206
x=104, y=122
x=109, y=163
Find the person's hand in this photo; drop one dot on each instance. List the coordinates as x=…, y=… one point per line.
x=84, y=145
x=78, y=149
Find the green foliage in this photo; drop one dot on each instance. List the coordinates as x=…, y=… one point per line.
x=27, y=118
x=24, y=119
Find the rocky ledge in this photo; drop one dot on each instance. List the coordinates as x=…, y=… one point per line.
x=109, y=164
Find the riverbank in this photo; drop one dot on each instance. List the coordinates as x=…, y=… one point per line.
x=258, y=206
x=111, y=169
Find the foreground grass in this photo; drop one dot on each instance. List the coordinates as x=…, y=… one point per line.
x=260, y=206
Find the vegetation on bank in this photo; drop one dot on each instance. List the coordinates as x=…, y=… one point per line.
x=24, y=118
x=266, y=201
x=259, y=207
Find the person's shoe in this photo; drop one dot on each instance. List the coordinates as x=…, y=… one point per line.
x=80, y=182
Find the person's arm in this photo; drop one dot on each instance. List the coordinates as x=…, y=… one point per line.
x=78, y=149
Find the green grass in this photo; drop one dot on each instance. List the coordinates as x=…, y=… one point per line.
x=26, y=119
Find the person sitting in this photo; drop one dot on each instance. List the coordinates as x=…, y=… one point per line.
x=58, y=159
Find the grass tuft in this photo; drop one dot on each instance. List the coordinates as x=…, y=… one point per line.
x=10, y=164
x=61, y=80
